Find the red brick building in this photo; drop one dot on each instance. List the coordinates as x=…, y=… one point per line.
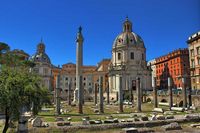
x=174, y=65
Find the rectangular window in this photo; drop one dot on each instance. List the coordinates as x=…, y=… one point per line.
x=45, y=71
x=142, y=56
x=119, y=56
x=36, y=70
x=192, y=61
x=192, y=52
x=132, y=55
x=198, y=50
x=193, y=80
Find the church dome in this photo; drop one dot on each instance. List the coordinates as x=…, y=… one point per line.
x=40, y=55
x=127, y=37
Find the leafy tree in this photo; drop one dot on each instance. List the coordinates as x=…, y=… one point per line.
x=19, y=87
x=4, y=47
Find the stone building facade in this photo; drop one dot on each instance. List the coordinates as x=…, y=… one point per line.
x=128, y=62
x=194, y=55
x=102, y=70
x=174, y=65
x=68, y=75
x=43, y=66
x=90, y=78
x=56, y=70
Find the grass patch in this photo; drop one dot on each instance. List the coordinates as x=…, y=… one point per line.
x=46, y=113
x=88, y=109
x=49, y=119
x=1, y=127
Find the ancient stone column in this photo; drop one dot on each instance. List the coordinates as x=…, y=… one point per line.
x=69, y=92
x=132, y=97
x=138, y=94
x=108, y=93
x=184, y=93
x=155, y=97
x=23, y=121
x=190, y=97
x=120, y=95
x=79, y=64
x=57, y=91
x=143, y=90
x=170, y=93
x=117, y=96
x=80, y=93
x=130, y=94
x=101, y=94
x=95, y=94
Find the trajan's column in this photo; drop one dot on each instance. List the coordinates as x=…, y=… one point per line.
x=79, y=64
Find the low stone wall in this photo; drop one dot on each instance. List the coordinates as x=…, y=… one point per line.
x=128, y=124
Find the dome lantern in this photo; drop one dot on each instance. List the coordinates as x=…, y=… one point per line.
x=127, y=26
x=40, y=55
x=128, y=37
x=41, y=47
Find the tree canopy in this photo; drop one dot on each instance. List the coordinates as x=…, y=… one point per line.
x=19, y=88
x=4, y=47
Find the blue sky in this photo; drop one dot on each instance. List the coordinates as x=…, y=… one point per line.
x=164, y=25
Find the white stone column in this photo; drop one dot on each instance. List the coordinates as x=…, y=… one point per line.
x=138, y=89
x=57, y=91
x=101, y=94
x=184, y=93
x=79, y=64
x=69, y=91
x=126, y=82
x=120, y=97
x=155, y=93
x=170, y=93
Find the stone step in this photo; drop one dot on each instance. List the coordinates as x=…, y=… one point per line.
x=177, y=109
x=130, y=130
x=160, y=110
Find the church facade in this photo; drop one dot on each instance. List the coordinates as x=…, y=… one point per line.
x=43, y=66
x=128, y=62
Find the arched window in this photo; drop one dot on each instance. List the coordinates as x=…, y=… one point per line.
x=132, y=55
